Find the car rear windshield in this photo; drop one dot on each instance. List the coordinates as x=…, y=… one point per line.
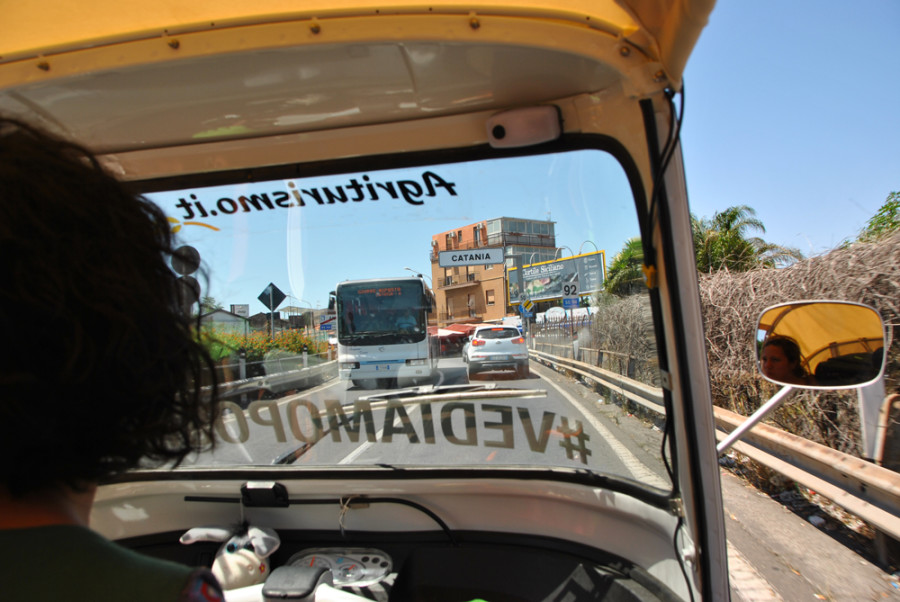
x=497, y=333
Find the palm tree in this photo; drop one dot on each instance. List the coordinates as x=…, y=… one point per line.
x=625, y=275
x=209, y=304
x=723, y=242
x=885, y=221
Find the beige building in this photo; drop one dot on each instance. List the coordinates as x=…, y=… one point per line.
x=478, y=293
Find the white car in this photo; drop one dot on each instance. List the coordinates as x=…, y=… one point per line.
x=497, y=348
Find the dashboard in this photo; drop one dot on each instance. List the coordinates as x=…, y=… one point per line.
x=426, y=566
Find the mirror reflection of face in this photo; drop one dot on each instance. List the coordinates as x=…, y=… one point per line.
x=776, y=365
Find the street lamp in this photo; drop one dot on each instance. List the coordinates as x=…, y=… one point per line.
x=585, y=242
x=419, y=274
x=560, y=249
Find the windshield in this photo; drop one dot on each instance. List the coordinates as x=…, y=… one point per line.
x=341, y=308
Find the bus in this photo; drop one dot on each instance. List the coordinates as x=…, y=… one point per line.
x=382, y=332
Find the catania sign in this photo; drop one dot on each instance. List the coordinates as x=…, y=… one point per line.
x=449, y=259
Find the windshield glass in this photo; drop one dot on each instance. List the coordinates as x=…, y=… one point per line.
x=341, y=310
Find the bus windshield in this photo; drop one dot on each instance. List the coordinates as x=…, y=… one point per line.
x=373, y=310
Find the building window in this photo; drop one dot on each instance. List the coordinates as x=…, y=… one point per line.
x=489, y=295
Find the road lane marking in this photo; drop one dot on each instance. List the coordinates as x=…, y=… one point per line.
x=746, y=581
x=638, y=470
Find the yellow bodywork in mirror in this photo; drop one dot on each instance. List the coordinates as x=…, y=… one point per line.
x=828, y=331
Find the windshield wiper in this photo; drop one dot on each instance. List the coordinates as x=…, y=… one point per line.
x=448, y=392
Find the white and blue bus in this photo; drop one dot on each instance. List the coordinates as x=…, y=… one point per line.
x=382, y=332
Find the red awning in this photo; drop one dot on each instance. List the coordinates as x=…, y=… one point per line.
x=466, y=329
x=444, y=333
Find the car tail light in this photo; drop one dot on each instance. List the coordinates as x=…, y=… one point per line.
x=477, y=342
x=519, y=340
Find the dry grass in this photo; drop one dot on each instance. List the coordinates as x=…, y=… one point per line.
x=732, y=303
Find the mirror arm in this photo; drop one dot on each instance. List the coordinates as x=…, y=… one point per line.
x=758, y=415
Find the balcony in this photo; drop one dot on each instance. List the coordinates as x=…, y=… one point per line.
x=461, y=281
x=462, y=316
x=508, y=239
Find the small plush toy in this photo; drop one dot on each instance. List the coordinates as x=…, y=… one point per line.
x=241, y=560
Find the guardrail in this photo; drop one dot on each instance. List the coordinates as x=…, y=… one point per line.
x=247, y=389
x=864, y=489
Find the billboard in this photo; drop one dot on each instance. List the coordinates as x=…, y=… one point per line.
x=571, y=276
x=242, y=310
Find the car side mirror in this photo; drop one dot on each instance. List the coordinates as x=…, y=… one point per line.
x=821, y=344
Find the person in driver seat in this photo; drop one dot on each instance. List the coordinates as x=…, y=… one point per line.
x=99, y=373
x=406, y=321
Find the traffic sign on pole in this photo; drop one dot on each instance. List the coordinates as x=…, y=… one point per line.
x=570, y=302
x=271, y=297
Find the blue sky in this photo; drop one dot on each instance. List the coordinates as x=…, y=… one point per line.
x=793, y=108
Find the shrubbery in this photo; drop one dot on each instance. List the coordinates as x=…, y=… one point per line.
x=222, y=345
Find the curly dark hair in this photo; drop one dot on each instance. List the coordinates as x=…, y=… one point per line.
x=100, y=371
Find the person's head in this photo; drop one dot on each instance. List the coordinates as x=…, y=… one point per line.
x=780, y=360
x=99, y=368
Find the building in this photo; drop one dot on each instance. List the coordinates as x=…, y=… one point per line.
x=478, y=293
x=226, y=321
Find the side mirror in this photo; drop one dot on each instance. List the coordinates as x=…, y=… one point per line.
x=821, y=344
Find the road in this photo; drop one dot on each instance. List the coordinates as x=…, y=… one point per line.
x=542, y=420
x=550, y=419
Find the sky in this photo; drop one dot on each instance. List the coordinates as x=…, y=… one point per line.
x=792, y=107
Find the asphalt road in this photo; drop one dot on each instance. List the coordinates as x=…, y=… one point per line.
x=774, y=554
x=546, y=419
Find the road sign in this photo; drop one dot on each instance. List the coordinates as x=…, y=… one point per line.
x=326, y=326
x=271, y=296
x=570, y=302
x=491, y=256
x=527, y=304
x=570, y=288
